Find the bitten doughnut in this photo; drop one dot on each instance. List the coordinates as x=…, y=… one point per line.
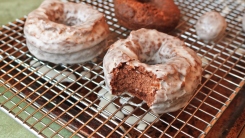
x=162, y=15
x=210, y=26
x=65, y=32
x=155, y=67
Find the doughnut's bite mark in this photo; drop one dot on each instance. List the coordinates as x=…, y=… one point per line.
x=137, y=81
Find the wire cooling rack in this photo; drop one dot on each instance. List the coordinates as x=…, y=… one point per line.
x=65, y=100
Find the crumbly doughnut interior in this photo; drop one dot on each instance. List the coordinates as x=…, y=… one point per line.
x=136, y=81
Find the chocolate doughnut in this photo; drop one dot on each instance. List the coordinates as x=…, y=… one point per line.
x=155, y=67
x=65, y=32
x=162, y=15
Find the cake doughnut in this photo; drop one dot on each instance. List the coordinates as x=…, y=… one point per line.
x=155, y=67
x=65, y=32
x=162, y=15
x=210, y=26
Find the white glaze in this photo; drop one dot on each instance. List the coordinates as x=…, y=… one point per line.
x=102, y=92
x=35, y=63
x=210, y=26
x=205, y=62
x=102, y=82
x=142, y=126
x=124, y=100
x=127, y=94
x=85, y=75
x=150, y=117
x=137, y=105
x=59, y=76
x=111, y=108
x=240, y=51
x=127, y=109
x=108, y=96
x=102, y=103
x=167, y=58
x=207, y=76
x=131, y=120
x=97, y=68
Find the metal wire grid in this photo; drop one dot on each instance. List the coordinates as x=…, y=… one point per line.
x=74, y=107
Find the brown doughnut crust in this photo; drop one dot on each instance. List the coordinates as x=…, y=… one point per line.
x=162, y=15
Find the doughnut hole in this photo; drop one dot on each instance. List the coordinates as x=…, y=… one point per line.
x=71, y=21
x=67, y=18
x=136, y=81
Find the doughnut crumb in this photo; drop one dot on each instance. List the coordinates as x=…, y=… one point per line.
x=137, y=81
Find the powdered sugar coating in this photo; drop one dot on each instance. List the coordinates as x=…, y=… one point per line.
x=65, y=32
x=177, y=67
x=210, y=26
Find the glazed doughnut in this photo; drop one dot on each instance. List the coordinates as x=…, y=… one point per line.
x=155, y=67
x=65, y=32
x=162, y=15
x=210, y=26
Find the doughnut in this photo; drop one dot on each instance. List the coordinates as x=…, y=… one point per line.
x=155, y=67
x=65, y=32
x=210, y=26
x=162, y=15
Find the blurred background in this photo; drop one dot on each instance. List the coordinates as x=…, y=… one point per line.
x=12, y=9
